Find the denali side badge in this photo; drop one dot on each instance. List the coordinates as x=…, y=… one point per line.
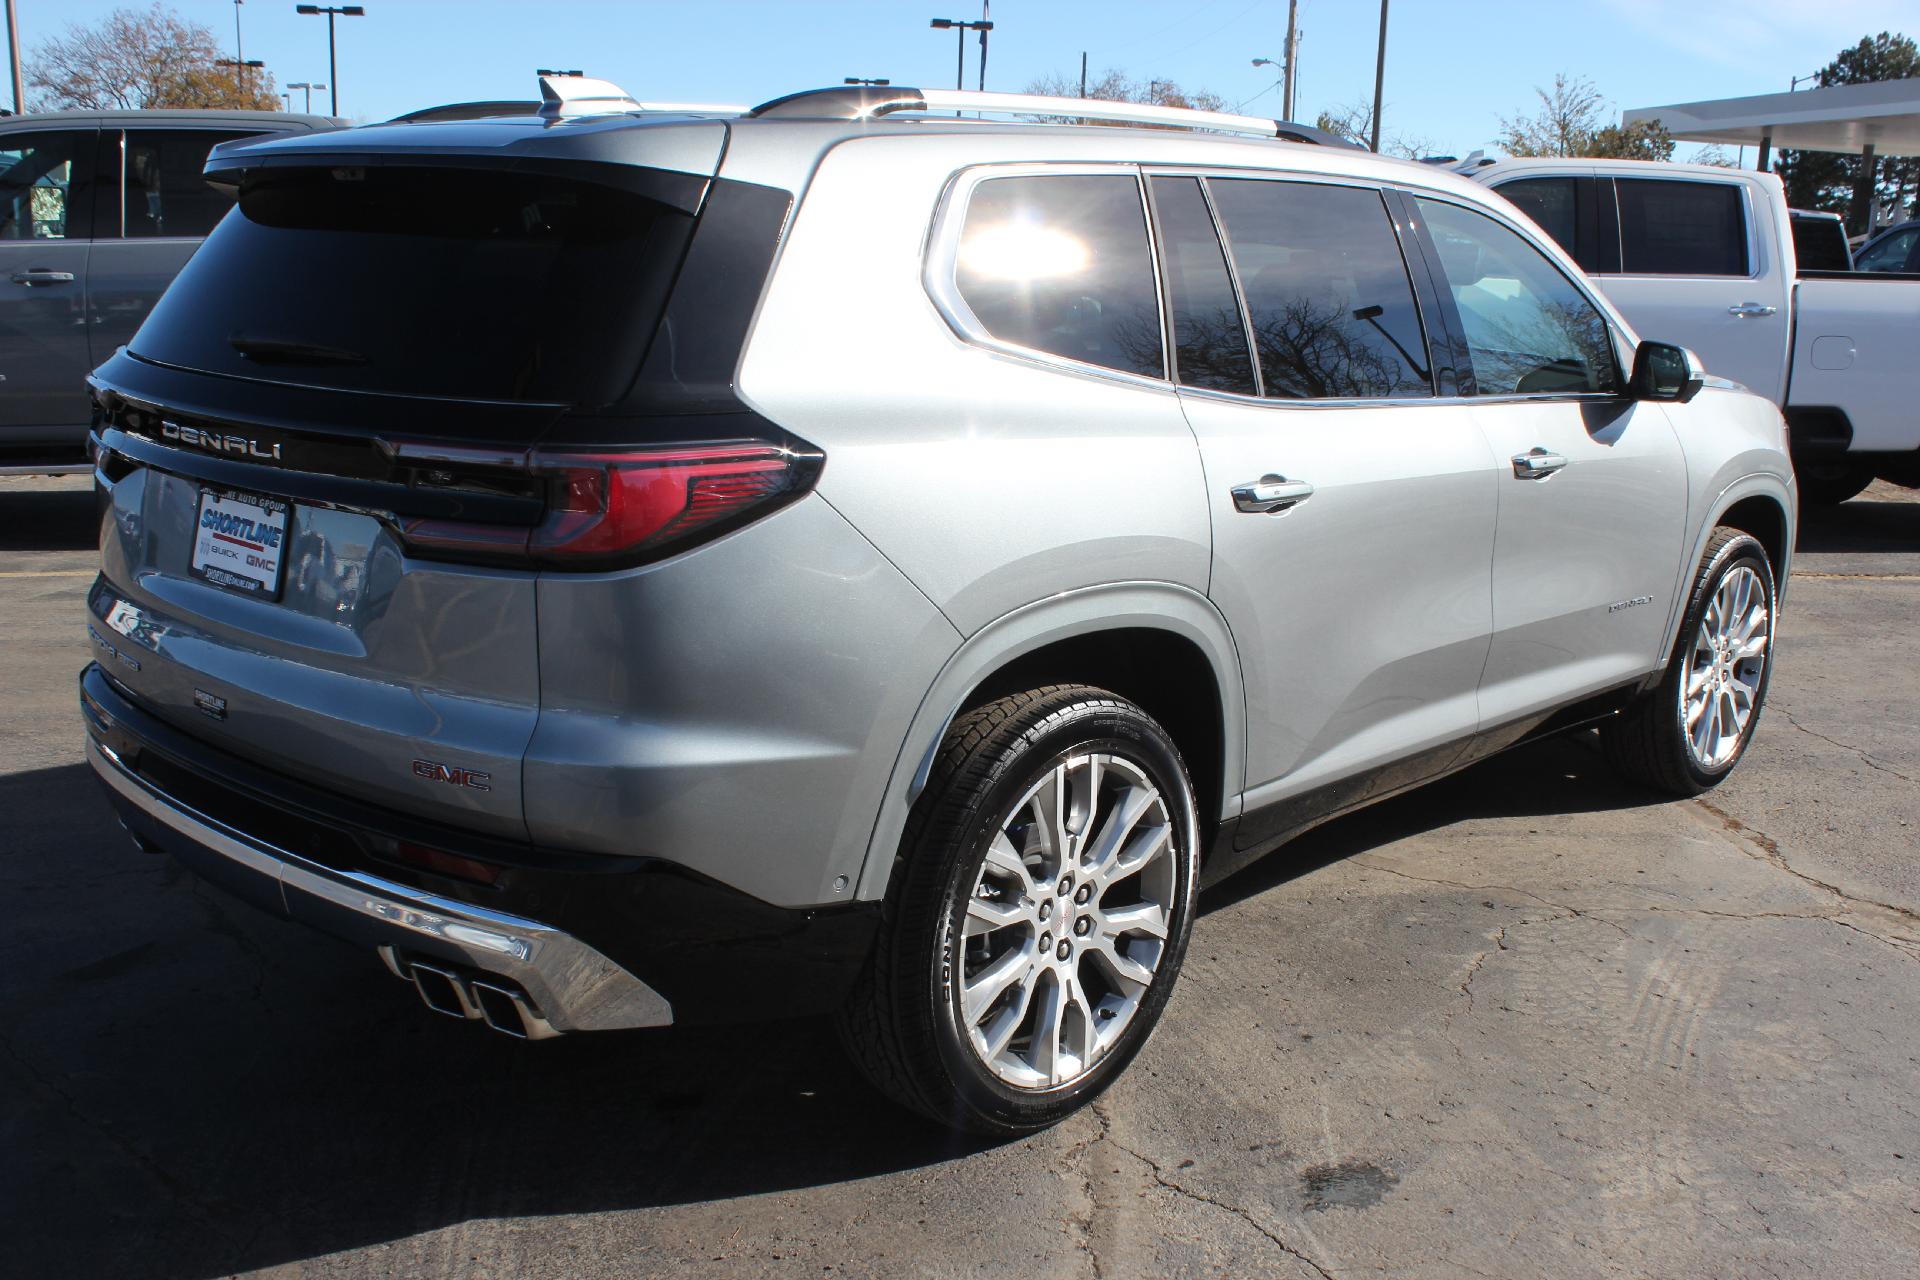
x=1634, y=603
x=210, y=703
x=434, y=771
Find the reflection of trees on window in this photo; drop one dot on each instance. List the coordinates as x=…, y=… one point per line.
x=1319, y=349
x=1528, y=330
x=1213, y=349
x=1332, y=309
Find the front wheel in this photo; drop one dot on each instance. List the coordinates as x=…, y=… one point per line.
x=1039, y=915
x=1690, y=732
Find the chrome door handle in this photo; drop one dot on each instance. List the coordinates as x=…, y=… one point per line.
x=39, y=275
x=1537, y=464
x=1751, y=310
x=1270, y=493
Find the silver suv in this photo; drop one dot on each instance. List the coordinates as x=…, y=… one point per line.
x=639, y=566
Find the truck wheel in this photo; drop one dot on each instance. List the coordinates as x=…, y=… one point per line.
x=1828, y=483
x=1687, y=735
x=1038, y=916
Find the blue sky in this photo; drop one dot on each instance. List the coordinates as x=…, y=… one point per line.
x=1454, y=67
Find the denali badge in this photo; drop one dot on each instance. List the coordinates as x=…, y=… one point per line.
x=218, y=443
x=1634, y=603
x=433, y=771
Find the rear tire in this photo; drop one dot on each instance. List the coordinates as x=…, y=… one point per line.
x=1064, y=816
x=1690, y=732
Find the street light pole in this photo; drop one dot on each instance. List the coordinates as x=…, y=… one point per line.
x=333, y=69
x=13, y=51
x=985, y=27
x=240, y=70
x=960, y=27
x=1379, y=76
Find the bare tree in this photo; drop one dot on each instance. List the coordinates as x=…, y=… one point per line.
x=1571, y=123
x=133, y=60
x=1116, y=86
x=1355, y=124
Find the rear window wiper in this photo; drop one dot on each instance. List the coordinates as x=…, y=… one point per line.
x=285, y=351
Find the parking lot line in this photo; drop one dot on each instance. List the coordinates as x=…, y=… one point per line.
x=47, y=573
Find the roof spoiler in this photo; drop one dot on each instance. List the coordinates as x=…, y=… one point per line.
x=565, y=94
x=863, y=102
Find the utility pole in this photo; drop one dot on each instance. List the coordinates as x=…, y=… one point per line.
x=1083, y=62
x=1379, y=76
x=1291, y=53
x=13, y=49
x=985, y=27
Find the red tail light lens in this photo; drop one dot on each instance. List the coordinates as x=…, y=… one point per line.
x=615, y=503
x=626, y=506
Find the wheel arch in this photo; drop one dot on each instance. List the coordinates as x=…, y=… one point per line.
x=1759, y=504
x=1160, y=645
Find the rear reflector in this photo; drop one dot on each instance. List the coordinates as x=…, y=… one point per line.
x=625, y=507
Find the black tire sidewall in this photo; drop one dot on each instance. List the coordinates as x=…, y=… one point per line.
x=1744, y=549
x=1095, y=725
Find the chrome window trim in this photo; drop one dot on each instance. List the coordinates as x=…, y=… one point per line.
x=939, y=273
x=1748, y=220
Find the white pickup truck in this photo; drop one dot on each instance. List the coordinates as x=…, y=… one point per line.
x=1703, y=256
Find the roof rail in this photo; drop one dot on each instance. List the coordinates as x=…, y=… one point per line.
x=860, y=102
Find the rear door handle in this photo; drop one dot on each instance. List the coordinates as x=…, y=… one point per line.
x=40, y=275
x=1751, y=310
x=1537, y=464
x=1270, y=493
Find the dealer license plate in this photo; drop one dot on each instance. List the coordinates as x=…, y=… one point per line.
x=239, y=542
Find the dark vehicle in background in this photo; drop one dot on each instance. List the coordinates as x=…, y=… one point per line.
x=1820, y=241
x=1895, y=250
x=99, y=210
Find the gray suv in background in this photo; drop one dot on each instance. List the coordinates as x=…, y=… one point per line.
x=633, y=567
x=98, y=211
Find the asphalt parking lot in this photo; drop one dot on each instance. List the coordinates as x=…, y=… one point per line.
x=1525, y=1022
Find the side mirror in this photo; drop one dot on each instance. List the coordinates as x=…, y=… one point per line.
x=1662, y=371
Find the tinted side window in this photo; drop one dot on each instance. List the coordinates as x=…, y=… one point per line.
x=1551, y=203
x=45, y=184
x=1820, y=244
x=1332, y=309
x=1528, y=329
x=1670, y=227
x=1061, y=264
x=164, y=192
x=1209, y=333
x=1890, y=253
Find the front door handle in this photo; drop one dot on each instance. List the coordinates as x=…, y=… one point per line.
x=1270, y=493
x=1537, y=464
x=1751, y=310
x=40, y=275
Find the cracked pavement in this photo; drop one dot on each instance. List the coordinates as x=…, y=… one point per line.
x=1523, y=1022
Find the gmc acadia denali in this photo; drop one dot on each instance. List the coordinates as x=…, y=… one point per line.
x=634, y=566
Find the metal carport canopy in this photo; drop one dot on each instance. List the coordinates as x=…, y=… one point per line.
x=1844, y=118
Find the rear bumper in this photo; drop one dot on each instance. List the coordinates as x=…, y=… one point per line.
x=571, y=986
x=594, y=942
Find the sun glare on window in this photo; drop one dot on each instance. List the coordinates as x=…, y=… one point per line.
x=1023, y=251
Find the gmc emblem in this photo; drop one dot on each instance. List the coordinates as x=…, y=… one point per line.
x=434, y=771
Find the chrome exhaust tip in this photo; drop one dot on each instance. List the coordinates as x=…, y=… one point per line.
x=443, y=992
x=510, y=1012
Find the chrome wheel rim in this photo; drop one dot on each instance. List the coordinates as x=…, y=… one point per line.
x=1721, y=691
x=1067, y=921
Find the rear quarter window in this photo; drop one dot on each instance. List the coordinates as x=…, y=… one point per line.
x=1059, y=263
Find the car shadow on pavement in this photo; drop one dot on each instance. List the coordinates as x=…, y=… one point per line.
x=193, y=1088
x=1861, y=525
x=48, y=519
x=1560, y=775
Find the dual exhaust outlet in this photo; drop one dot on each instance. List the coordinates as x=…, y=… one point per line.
x=461, y=994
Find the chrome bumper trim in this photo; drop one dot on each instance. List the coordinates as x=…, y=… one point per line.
x=574, y=987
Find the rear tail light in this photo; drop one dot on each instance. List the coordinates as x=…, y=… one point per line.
x=630, y=506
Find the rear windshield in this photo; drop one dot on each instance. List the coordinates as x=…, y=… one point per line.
x=469, y=284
